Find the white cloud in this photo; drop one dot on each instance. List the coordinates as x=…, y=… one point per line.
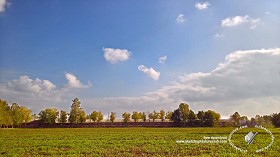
x=246, y=81
x=73, y=82
x=238, y=20
x=162, y=59
x=38, y=94
x=202, y=6
x=3, y=4
x=25, y=84
x=246, y=77
x=149, y=72
x=116, y=55
x=180, y=18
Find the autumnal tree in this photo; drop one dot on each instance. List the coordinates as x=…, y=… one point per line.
x=112, y=117
x=126, y=117
x=169, y=115
x=161, y=115
x=136, y=116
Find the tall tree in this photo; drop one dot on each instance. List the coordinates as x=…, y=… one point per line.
x=77, y=114
x=63, y=116
x=49, y=115
x=16, y=114
x=161, y=115
x=112, y=117
x=126, y=117
x=184, y=108
x=6, y=117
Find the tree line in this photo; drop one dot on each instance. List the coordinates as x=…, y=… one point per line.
x=16, y=115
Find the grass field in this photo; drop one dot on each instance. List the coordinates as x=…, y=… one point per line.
x=128, y=142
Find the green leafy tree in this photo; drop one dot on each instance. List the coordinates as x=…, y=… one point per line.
x=200, y=117
x=169, y=115
x=83, y=116
x=99, y=117
x=136, y=116
x=77, y=114
x=93, y=116
x=26, y=114
x=267, y=119
x=275, y=118
x=126, y=117
x=211, y=118
x=235, y=118
x=177, y=117
x=154, y=115
x=161, y=115
x=184, y=108
x=112, y=117
x=16, y=114
x=63, y=116
x=49, y=115
x=143, y=116
x=192, y=116
x=6, y=116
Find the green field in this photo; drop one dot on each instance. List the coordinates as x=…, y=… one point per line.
x=128, y=142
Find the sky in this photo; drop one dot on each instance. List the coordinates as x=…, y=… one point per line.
x=129, y=55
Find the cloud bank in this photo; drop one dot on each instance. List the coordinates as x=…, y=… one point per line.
x=246, y=81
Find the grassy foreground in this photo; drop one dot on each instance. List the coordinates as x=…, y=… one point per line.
x=127, y=142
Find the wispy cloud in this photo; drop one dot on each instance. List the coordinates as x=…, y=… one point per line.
x=116, y=55
x=162, y=59
x=180, y=18
x=238, y=20
x=202, y=6
x=149, y=72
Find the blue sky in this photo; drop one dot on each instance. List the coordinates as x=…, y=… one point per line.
x=50, y=40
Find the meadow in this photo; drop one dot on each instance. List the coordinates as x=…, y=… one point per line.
x=128, y=142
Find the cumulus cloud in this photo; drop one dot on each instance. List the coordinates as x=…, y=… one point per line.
x=162, y=59
x=3, y=5
x=246, y=81
x=202, y=6
x=37, y=93
x=180, y=18
x=238, y=20
x=116, y=55
x=149, y=72
x=246, y=77
x=73, y=82
x=25, y=84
